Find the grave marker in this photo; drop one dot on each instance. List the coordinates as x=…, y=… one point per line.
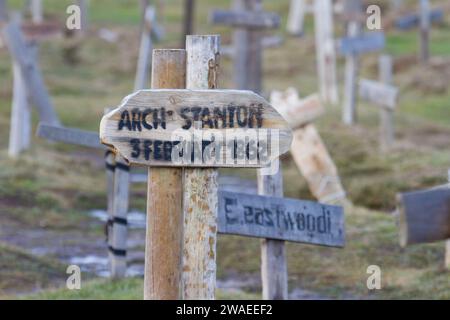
x=424, y=216
x=296, y=17
x=325, y=51
x=149, y=128
x=385, y=96
x=150, y=28
x=200, y=185
x=308, y=150
x=249, y=19
x=28, y=84
x=355, y=44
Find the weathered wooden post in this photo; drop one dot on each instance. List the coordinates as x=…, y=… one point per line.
x=424, y=13
x=351, y=65
x=200, y=185
x=387, y=129
x=325, y=51
x=295, y=23
x=249, y=19
x=145, y=50
x=447, y=243
x=352, y=46
x=163, y=266
x=20, y=125
x=384, y=95
x=193, y=129
x=84, y=15
x=36, y=11
x=24, y=56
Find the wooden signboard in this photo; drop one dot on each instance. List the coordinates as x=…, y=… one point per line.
x=281, y=218
x=378, y=93
x=366, y=42
x=196, y=128
x=424, y=216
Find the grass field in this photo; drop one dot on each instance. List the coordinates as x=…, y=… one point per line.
x=50, y=187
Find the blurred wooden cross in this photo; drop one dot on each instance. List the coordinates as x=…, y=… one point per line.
x=249, y=19
x=308, y=150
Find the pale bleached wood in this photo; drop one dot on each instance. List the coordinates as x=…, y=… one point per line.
x=36, y=11
x=296, y=17
x=164, y=239
x=424, y=216
x=23, y=55
x=424, y=13
x=296, y=111
x=145, y=51
x=174, y=102
x=84, y=15
x=447, y=254
x=110, y=166
x=325, y=51
x=382, y=94
x=118, y=248
x=316, y=165
x=20, y=126
x=247, y=41
x=273, y=252
x=200, y=199
x=387, y=129
x=70, y=135
x=351, y=68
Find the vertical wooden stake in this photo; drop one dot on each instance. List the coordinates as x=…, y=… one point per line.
x=188, y=20
x=248, y=51
x=164, y=239
x=296, y=17
x=326, y=54
x=20, y=130
x=145, y=51
x=351, y=67
x=386, y=115
x=118, y=246
x=424, y=13
x=110, y=166
x=200, y=199
x=273, y=253
x=36, y=11
x=84, y=15
x=447, y=243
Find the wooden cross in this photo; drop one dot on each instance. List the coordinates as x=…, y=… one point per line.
x=173, y=114
x=150, y=29
x=385, y=96
x=308, y=150
x=296, y=17
x=355, y=44
x=249, y=19
x=424, y=216
x=325, y=51
x=28, y=83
